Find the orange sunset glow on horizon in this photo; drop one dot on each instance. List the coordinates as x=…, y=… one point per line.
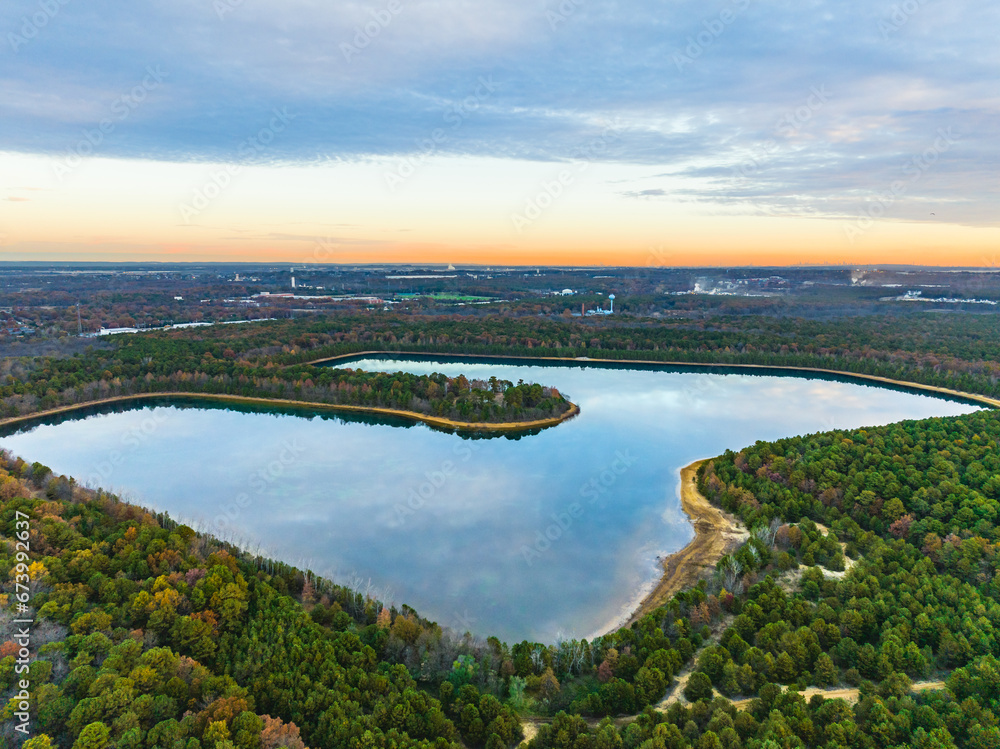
x=342, y=214
x=506, y=136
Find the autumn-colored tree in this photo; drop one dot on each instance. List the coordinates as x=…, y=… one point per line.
x=41, y=741
x=932, y=546
x=216, y=732
x=783, y=537
x=279, y=734
x=612, y=657
x=795, y=536
x=605, y=672
x=406, y=629
x=549, y=686
x=900, y=528
x=223, y=710
x=714, y=607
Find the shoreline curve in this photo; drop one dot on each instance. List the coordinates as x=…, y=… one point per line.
x=434, y=421
x=984, y=399
x=716, y=533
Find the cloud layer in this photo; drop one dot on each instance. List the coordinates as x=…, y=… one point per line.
x=806, y=107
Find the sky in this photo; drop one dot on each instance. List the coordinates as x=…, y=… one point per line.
x=501, y=132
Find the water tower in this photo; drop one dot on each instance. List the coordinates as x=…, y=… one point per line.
x=611, y=298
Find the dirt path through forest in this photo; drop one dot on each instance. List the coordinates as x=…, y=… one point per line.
x=531, y=725
x=850, y=695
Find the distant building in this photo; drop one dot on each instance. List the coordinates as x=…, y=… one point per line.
x=601, y=310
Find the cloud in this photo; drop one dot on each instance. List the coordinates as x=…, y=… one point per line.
x=650, y=193
x=721, y=96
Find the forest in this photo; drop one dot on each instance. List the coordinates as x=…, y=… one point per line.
x=186, y=363
x=947, y=351
x=272, y=359
x=872, y=567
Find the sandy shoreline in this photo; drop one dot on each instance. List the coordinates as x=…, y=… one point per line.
x=640, y=592
x=716, y=534
x=464, y=426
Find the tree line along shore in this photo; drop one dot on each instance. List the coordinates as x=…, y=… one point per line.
x=434, y=421
x=269, y=359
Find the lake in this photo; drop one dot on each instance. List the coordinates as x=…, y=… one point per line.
x=539, y=536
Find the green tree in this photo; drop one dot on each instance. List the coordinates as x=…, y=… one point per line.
x=93, y=736
x=698, y=687
x=826, y=671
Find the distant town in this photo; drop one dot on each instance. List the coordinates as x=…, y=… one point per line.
x=93, y=300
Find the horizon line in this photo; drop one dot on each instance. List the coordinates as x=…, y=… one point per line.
x=501, y=268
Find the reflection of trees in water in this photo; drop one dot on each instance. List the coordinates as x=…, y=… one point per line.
x=749, y=370
x=207, y=404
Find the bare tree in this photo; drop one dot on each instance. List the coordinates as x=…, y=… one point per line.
x=772, y=530
x=731, y=572
x=573, y=654
x=536, y=658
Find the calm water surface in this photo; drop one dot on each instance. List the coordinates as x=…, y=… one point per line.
x=462, y=529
